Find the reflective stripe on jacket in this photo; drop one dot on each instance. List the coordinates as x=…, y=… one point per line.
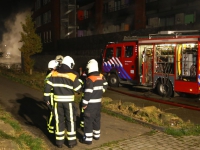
x=64, y=85
x=94, y=87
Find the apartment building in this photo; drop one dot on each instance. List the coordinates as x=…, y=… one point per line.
x=54, y=20
x=63, y=19
x=162, y=13
x=107, y=16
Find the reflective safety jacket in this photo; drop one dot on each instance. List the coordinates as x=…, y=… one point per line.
x=95, y=85
x=64, y=85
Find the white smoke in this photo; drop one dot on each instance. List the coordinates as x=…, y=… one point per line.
x=10, y=40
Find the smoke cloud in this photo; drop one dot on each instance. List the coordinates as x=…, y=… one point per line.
x=10, y=40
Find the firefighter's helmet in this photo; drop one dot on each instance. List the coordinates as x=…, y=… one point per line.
x=53, y=64
x=59, y=58
x=67, y=60
x=92, y=66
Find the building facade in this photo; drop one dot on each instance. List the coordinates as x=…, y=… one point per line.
x=63, y=19
x=54, y=20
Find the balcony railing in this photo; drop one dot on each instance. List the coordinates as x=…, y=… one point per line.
x=117, y=8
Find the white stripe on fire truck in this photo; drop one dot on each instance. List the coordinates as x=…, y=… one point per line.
x=109, y=66
x=117, y=66
x=121, y=66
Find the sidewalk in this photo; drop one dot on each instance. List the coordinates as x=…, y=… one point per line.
x=117, y=134
x=156, y=141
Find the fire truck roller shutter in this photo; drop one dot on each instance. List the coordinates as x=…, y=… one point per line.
x=164, y=88
x=179, y=60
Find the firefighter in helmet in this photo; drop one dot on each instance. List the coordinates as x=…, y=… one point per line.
x=82, y=79
x=59, y=58
x=95, y=85
x=52, y=65
x=64, y=83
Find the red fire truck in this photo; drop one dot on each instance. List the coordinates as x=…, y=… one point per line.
x=167, y=61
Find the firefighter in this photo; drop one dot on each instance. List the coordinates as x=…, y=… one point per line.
x=64, y=83
x=59, y=58
x=52, y=65
x=91, y=103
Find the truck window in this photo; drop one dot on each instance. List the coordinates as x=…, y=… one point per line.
x=109, y=53
x=118, y=52
x=128, y=51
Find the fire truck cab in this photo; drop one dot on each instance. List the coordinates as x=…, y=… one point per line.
x=167, y=61
x=120, y=62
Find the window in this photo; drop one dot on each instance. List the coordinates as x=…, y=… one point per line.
x=129, y=51
x=117, y=5
x=170, y=21
x=47, y=17
x=50, y=36
x=44, y=37
x=105, y=7
x=38, y=21
x=47, y=37
x=46, y=2
x=37, y=4
x=189, y=18
x=118, y=52
x=148, y=1
x=109, y=54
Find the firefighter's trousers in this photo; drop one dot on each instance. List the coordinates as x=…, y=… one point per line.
x=81, y=115
x=51, y=119
x=65, y=122
x=92, y=117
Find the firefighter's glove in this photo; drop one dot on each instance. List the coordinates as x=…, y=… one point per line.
x=48, y=103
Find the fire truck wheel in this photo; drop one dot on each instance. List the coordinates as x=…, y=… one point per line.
x=164, y=89
x=113, y=80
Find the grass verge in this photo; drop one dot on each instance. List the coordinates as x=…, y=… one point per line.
x=22, y=138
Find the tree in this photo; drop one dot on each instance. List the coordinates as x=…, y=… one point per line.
x=31, y=44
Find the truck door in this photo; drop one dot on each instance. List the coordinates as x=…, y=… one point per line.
x=128, y=60
x=112, y=59
x=107, y=56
